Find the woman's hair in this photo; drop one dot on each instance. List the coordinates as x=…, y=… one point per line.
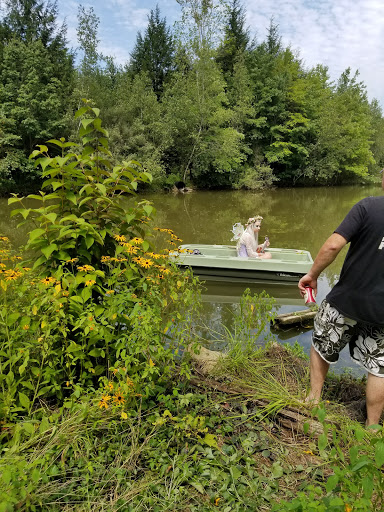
x=253, y=220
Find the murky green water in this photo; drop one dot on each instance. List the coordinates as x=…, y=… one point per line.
x=293, y=218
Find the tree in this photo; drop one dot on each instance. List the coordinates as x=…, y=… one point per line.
x=236, y=38
x=153, y=53
x=29, y=20
x=36, y=80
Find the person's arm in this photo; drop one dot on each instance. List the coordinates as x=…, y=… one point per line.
x=247, y=241
x=325, y=257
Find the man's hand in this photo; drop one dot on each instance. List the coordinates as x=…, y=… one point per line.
x=307, y=280
x=327, y=254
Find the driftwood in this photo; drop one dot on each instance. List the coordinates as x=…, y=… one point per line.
x=289, y=418
x=295, y=317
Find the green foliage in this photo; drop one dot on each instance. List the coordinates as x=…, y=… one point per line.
x=36, y=80
x=98, y=297
x=154, y=53
x=256, y=178
x=236, y=38
x=356, y=482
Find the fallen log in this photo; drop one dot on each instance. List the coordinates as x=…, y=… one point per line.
x=291, y=419
x=295, y=317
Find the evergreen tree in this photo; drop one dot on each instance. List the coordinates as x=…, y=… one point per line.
x=236, y=38
x=36, y=81
x=153, y=53
x=31, y=20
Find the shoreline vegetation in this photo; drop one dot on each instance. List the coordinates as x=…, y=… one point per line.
x=205, y=105
x=105, y=401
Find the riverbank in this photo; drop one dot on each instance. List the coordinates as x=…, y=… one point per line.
x=217, y=442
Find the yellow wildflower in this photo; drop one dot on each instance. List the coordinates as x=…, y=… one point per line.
x=85, y=268
x=124, y=415
x=48, y=280
x=151, y=363
x=348, y=508
x=73, y=260
x=90, y=282
x=130, y=249
x=145, y=263
x=137, y=241
x=118, y=398
x=110, y=292
x=102, y=404
x=26, y=327
x=4, y=238
x=308, y=452
x=119, y=238
x=104, y=259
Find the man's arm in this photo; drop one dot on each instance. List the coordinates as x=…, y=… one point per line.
x=326, y=255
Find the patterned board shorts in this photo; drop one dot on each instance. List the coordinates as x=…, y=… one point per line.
x=332, y=331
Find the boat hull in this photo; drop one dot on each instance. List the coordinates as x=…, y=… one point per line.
x=222, y=263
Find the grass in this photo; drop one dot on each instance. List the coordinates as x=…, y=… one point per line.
x=191, y=449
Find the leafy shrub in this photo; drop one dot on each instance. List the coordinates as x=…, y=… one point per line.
x=99, y=297
x=256, y=178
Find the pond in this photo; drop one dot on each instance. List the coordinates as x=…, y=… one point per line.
x=300, y=218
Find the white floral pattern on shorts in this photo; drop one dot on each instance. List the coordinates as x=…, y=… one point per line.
x=332, y=331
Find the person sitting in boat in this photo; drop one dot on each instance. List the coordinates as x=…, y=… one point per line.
x=247, y=245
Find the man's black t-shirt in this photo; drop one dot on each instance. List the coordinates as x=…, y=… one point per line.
x=359, y=294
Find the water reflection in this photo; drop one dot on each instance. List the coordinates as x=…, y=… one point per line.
x=293, y=218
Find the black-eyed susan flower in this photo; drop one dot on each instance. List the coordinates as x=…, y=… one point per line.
x=137, y=241
x=146, y=263
x=102, y=404
x=118, y=398
x=91, y=282
x=119, y=238
x=85, y=268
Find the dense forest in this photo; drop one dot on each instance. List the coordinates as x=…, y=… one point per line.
x=203, y=102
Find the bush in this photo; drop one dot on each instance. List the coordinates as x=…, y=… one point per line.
x=98, y=299
x=256, y=178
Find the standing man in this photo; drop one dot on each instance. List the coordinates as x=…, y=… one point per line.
x=353, y=311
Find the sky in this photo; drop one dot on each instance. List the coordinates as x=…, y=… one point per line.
x=335, y=33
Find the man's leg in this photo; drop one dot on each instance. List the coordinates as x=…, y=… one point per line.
x=375, y=399
x=318, y=371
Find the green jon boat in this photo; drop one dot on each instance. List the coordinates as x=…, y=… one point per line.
x=222, y=262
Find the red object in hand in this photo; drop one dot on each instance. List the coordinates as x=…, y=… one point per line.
x=309, y=296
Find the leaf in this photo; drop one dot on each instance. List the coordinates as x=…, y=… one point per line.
x=322, y=442
x=36, y=233
x=39, y=262
x=210, y=440
x=102, y=188
x=367, y=484
x=95, y=352
x=198, y=487
x=235, y=472
x=81, y=111
x=277, y=470
x=332, y=481
x=12, y=200
x=47, y=251
x=86, y=122
x=89, y=241
x=29, y=427
x=71, y=197
x=12, y=318
x=379, y=453
x=86, y=294
x=24, y=400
